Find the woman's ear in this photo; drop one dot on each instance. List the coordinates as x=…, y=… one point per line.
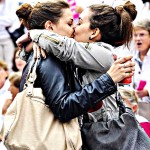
x=96, y=35
x=135, y=108
x=48, y=25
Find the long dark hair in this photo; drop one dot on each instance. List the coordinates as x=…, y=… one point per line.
x=35, y=17
x=115, y=24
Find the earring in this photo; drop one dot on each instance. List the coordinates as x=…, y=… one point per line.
x=49, y=27
x=90, y=38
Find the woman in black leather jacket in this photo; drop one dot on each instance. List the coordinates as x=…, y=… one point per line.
x=52, y=75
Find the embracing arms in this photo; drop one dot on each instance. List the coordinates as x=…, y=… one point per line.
x=97, y=57
x=66, y=104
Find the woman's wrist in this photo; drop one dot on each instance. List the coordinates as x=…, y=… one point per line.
x=110, y=78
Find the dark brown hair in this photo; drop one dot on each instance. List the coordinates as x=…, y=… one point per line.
x=35, y=17
x=14, y=67
x=115, y=24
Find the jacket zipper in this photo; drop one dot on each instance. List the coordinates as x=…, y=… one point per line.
x=51, y=39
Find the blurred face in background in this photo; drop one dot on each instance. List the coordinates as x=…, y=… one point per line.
x=141, y=39
x=14, y=84
x=13, y=89
x=131, y=105
x=19, y=62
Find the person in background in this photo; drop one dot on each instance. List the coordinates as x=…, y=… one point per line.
x=4, y=86
x=146, y=8
x=18, y=64
x=73, y=9
x=8, y=18
x=14, y=89
x=141, y=57
x=4, y=93
x=131, y=99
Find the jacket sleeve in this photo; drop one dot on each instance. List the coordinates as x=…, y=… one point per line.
x=88, y=56
x=65, y=104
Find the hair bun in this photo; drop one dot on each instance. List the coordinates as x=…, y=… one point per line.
x=131, y=9
x=24, y=11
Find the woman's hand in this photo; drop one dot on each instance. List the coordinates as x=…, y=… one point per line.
x=121, y=68
x=25, y=41
x=38, y=51
x=142, y=93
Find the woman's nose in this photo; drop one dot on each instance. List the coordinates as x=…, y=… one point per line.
x=74, y=26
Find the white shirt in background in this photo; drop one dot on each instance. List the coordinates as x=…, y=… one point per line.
x=142, y=73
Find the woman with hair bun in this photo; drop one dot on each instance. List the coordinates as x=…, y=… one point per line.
x=63, y=98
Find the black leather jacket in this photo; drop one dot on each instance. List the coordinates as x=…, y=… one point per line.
x=65, y=103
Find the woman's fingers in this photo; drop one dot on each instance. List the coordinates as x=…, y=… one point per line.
x=35, y=50
x=124, y=59
x=21, y=40
x=43, y=53
x=129, y=67
x=121, y=69
x=38, y=51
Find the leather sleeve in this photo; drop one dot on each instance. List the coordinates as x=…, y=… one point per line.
x=80, y=102
x=65, y=104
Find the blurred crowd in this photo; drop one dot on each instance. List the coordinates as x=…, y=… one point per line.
x=136, y=94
